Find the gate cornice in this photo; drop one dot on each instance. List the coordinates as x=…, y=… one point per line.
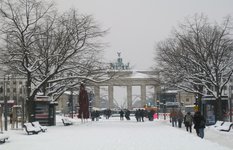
x=129, y=79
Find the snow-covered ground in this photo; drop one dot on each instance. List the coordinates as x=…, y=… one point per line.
x=114, y=134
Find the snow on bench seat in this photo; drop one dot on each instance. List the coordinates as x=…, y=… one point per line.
x=29, y=128
x=37, y=125
x=217, y=124
x=66, y=121
x=3, y=137
x=226, y=126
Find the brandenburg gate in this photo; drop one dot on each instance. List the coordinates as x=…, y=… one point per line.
x=128, y=79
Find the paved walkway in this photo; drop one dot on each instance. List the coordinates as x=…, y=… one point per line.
x=114, y=134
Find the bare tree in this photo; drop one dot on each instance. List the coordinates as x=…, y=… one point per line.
x=44, y=46
x=199, y=56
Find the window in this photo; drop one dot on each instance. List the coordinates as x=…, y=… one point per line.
x=225, y=87
x=20, y=91
x=187, y=100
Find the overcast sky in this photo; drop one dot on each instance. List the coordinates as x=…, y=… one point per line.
x=137, y=25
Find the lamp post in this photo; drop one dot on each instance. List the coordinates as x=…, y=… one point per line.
x=71, y=102
x=5, y=101
x=91, y=97
x=23, y=105
x=164, y=109
x=230, y=103
x=158, y=109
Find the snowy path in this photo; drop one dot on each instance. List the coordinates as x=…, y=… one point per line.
x=117, y=135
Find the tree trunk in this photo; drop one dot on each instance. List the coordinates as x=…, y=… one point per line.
x=218, y=109
x=30, y=100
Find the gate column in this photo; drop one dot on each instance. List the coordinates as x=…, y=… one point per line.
x=129, y=97
x=110, y=96
x=97, y=96
x=143, y=95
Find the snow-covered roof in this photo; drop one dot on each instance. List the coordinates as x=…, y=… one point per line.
x=136, y=74
x=69, y=92
x=172, y=91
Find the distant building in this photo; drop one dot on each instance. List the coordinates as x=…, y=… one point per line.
x=14, y=89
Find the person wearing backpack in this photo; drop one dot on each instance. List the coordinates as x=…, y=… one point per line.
x=188, y=121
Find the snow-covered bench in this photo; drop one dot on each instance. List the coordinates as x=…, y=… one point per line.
x=3, y=137
x=226, y=126
x=37, y=124
x=218, y=124
x=66, y=121
x=29, y=128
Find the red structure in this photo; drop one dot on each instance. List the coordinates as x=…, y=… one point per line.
x=83, y=103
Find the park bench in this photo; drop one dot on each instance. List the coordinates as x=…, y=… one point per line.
x=226, y=126
x=66, y=121
x=3, y=137
x=218, y=124
x=37, y=124
x=29, y=128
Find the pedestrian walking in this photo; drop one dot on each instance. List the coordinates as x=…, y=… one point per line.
x=180, y=118
x=199, y=124
x=188, y=121
x=173, y=117
x=121, y=115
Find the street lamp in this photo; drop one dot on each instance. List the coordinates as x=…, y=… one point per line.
x=158, y=109
x=91, y=98
x=164, y=109
x=71, y=102
x=23, y=105
x=5, y=101
x=230, y=103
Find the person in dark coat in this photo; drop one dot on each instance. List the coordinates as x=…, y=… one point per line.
x=93, y=115
x=97, y=115
x=173, y=117
x=83, y=103
x=137, y=115
x=127, y=114
x=121, y=115
x=151, y=115
x=199, y=124
x=142, y=114
x=188, y=122
x=180, y=118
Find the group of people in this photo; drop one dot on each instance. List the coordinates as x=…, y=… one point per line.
x=198, y=120
x=126, y=113
x=175, y=116
x=95, y=115
x=139, y=115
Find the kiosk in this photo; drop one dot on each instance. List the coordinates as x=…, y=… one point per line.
x=44, y=110
x=208, y=104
